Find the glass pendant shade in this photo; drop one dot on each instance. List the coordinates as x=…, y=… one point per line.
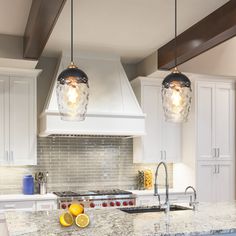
x=176, y=97
x=72, y=94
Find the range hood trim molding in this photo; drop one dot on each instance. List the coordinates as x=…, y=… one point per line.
x=50, y=124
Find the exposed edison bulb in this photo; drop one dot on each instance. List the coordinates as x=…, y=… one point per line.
x=176, y=98
x=72, y=95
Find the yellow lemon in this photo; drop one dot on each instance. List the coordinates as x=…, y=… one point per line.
x=82, y=220
x=66, y=219
x=76, y=209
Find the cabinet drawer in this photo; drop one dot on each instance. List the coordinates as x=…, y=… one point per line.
x=46, y=205
x=179, y=197
x=147, y=201
x=17, y=205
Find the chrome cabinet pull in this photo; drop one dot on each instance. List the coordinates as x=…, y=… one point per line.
x=165, y=154
x=214, y=152
x=218, y=152
x=214, y=169
x=218, y=169
x=161, y=155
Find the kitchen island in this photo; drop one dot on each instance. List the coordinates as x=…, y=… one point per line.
x=209, y=219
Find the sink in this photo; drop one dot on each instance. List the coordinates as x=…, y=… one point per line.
x=134, y=210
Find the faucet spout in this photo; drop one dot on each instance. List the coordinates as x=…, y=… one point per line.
x=193, y=202
x=166, y=183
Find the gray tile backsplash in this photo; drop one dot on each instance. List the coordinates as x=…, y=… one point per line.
x=81, y=163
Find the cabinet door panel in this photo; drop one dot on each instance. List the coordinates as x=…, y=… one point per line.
x=4, y=119
x=205, y=182
x=205, y=120
x=171, y=141
x=22, y=121
x=224, y=121
x=151, y=103
x=225, y=182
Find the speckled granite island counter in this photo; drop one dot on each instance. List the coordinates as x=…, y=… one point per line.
x=208, y=220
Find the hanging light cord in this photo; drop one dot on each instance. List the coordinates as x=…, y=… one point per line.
x=71, y=38
x=175, y=33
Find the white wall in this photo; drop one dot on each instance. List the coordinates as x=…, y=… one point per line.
x=220, y=60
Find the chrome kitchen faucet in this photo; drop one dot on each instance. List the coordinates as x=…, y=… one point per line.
x=193, y=201
x=166, y=205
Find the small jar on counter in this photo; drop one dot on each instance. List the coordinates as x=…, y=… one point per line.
x=140, y=177
x=148, y=179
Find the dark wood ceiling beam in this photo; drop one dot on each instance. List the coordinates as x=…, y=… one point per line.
x=41, y=21
x=214, y=29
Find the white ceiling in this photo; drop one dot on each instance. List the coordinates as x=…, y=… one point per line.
x=13, y=16
x=130, y=28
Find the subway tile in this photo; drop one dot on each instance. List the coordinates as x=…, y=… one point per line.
x=80, y=164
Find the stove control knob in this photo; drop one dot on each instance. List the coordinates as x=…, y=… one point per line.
x=104, y=204
x=131, y=203
x=125, y=204
x=112, y=204
x=118, y=204
x=63, y=206
x=92, y=205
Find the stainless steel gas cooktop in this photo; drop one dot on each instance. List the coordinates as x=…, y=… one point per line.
x=92, y=192
x=97, y=198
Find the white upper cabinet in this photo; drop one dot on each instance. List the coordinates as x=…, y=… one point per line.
x=171, y=141
x=215, y=120
x=4, y=119
x=224, y=121
x=23, y=135
x=205, y=113
x=18, y=120
x=162, y=141
x=153, y=121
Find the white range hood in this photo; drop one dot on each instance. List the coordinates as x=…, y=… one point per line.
x=112, y=109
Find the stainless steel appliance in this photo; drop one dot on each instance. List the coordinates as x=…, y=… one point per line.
x=97, y=198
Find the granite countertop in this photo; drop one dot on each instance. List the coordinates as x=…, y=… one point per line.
x=208, y=219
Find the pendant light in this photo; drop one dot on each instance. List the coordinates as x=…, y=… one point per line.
x=72, y=89
x=176, y=91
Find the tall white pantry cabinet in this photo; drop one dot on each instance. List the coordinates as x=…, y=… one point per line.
x=209, y=137
x=18, y=117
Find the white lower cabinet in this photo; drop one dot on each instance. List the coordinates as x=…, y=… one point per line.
x=46, y=205
x=39, y=205
x=215, y=181
x=151, y=200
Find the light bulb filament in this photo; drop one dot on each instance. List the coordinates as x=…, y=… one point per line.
x=72, y=95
